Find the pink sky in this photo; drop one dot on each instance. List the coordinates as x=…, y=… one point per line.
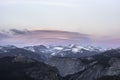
x=53, y=37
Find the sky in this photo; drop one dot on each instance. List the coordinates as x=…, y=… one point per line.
x=93, y=22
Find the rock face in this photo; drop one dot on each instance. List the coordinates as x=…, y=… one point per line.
x=66, y=65
x=109, y=78
x=12, y=68
x=114, y=68
x=69, y=66
x=106, y=67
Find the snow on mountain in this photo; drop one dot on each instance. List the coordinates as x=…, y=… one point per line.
x=58, y=48
x=30, y=48
x=61, y=51
x=39, y=48
x=65, y=51
x=75, y=50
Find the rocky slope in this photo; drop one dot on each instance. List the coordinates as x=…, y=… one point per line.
x=106, y=67
x=66, y=65
x=14, y=51
x=21, y=68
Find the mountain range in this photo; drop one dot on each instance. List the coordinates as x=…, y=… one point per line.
x=71, y=62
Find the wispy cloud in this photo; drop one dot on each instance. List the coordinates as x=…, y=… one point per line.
x=18, y=32
x=34, y=37
x=53, y=37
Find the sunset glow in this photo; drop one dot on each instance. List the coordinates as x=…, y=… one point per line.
x=60, y=22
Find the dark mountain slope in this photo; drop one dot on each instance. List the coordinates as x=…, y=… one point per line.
x=105, y=66
x=21, y=68
x=22, y=52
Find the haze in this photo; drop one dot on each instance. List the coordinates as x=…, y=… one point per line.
x=99, y=18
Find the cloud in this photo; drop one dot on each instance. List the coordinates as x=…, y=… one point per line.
x=18, y=32
x=53, y=37
x=36, y=37
x=3, y=36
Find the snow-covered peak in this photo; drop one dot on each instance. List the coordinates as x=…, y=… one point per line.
x=80, y=47
x=58, y=48
x=92, y=48
x=75, y=50
x=30, y=48
x=89, y=48
x=63, y=51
